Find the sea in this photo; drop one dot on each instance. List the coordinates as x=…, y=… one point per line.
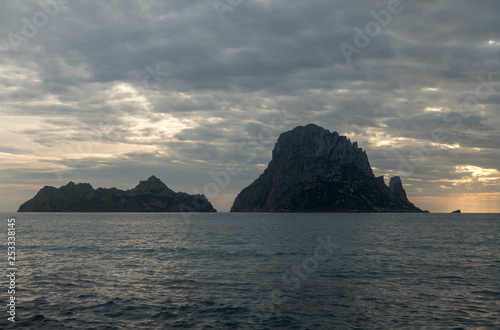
x=252, y=271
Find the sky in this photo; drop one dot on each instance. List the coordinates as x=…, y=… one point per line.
x=196, y=92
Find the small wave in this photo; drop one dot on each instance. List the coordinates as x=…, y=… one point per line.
x=487, y=293
x=39, y=321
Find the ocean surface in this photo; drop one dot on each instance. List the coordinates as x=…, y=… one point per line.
x=255, y=271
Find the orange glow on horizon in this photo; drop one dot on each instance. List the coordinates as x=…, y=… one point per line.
x=474, y=203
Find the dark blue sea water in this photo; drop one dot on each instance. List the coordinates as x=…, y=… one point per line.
x=255, y=271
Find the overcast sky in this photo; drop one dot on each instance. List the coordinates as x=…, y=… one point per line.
x=112, y=92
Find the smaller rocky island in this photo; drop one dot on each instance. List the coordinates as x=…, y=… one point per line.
x=457, y=211
x=148, y=196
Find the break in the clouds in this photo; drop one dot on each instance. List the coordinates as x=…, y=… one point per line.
x=113, y=92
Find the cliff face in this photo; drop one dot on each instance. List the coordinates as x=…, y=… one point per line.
x=149, y=196
x=396, y=187
x=313, y=170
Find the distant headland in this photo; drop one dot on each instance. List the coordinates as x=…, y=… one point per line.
x=313, y=170
x=151, y=195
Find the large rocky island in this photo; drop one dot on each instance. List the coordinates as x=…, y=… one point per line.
x=313, y=170
x=149, y=196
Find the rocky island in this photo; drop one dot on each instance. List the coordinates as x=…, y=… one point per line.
x=313, y=170
x=149, y=196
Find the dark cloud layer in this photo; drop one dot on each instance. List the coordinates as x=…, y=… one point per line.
x=180, y=88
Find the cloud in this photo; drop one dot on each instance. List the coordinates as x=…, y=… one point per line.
x=14, y=151
x=121, y=87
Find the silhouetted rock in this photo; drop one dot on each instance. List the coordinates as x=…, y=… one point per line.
x=313, y=170
x=149, y=196
x=457, y=211
x=397, y=189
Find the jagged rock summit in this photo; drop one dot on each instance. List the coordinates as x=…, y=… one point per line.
x=151, y=195
x=314, y=170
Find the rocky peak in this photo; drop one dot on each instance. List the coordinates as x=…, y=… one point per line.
x=396, y=187
x=72, y=190
x=315, y=170
x=152, y=185
x=312, y=142
x=47, y=189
